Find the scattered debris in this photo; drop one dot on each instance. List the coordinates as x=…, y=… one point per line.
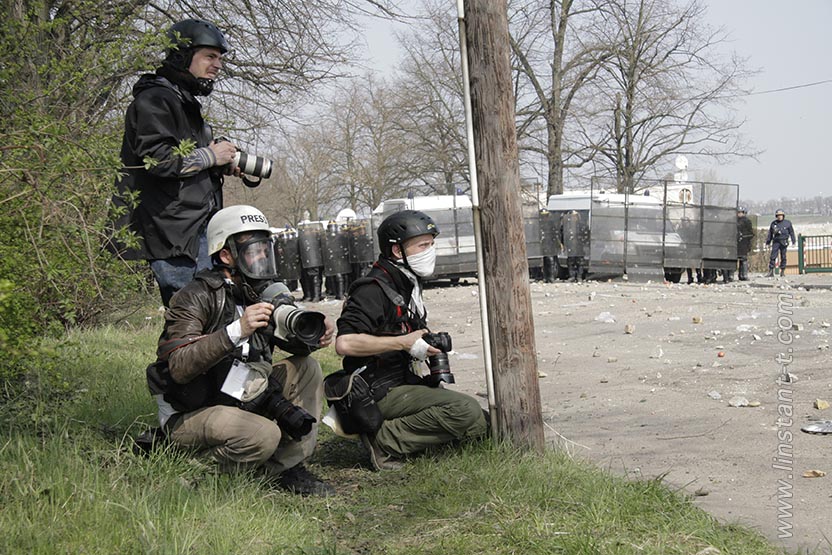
x=814, y=474
x=612, y=359
x=820, y=404
x=720, y=354
x=714, y=395
x=657, y=353
x=629, y=328
x=605, y=317
x=821, y=427
x=797, y=327
x=696, y=319
x=738, y=402
x=541, y=374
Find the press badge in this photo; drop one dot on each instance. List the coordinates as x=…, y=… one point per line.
x=236, y=380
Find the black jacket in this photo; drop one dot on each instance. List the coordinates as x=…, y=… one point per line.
x=368, y=309
x=780, y=232
x=745, y=235
x=173, y=209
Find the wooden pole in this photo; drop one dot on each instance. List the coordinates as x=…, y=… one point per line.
x=517, y=395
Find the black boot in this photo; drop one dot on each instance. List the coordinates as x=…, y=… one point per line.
x=306, y=285
x=770, y=273
x=743, y=273
x=340, y=286
x=316, y=288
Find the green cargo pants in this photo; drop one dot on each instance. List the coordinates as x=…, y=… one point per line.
x=417, y=418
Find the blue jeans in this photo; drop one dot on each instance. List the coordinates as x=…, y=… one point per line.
x=777, y=249
x=172, y=274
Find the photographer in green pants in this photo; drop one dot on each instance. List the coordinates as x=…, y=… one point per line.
x=384, y=338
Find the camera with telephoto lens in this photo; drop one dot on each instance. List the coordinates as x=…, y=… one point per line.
x=272, y=404
x=249, y=164
x=293, y=324
x=440, y=368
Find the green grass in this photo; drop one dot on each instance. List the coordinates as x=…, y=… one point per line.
x=72, y=485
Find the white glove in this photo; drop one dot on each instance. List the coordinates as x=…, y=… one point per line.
x=419, y=350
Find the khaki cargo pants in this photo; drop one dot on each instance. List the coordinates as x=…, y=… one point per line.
x=238, y=439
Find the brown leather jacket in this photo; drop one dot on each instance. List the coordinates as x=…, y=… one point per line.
x=195, y=353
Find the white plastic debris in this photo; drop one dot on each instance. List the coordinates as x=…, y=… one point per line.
x=606, y=318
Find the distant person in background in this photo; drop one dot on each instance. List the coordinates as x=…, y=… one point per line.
x=745, y=240
x=689, y=232
x=779, y=233
x=574, y=236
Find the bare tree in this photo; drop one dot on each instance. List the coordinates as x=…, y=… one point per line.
x=346, y=117
x=667, y=89
x=555, y=61
x=387, y=156
x=429, y=93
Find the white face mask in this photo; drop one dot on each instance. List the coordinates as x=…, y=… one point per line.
x=422, y=263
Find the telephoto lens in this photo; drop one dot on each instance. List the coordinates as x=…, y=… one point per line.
x=250, y=164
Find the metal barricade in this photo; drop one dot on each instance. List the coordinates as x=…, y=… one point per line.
x=814, y=253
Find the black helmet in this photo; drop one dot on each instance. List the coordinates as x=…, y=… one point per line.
x=194, y=33
x=401, y=226
x=779, y=212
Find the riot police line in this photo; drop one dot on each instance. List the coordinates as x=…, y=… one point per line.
x=324, y=258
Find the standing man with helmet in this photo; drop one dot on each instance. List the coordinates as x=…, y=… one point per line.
x=779, y=233
x=382, y=336
x=575, y=240
x=216, y=386
x=171, y=162
x=745, y=240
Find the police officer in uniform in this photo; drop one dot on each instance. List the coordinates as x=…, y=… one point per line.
x=779, y=233
x=574, y=237
x=311, y=261
x=745, y=240
x=336, y=254
x=380, y=333
x=549, y=245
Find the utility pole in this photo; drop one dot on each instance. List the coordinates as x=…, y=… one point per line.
x=514, y=360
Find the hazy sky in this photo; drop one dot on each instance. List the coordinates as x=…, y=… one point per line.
x=788, y=42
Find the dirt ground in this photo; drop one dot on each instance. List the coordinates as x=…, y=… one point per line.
x=657, y=401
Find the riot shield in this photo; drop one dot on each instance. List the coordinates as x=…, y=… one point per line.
x=288, y=256
x=574, y=234
x=548, y=233
x=360, y=234
x=719, y=226
x=309, y=245
x=336, y=251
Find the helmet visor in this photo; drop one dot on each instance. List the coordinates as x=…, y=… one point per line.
x=255, y=257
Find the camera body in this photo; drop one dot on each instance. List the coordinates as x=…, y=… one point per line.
x=292, y=419
x=440, y=368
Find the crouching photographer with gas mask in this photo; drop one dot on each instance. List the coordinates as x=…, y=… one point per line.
x=215, y=383
x=392, y=362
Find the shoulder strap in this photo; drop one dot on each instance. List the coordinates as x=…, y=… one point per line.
x=394, y=297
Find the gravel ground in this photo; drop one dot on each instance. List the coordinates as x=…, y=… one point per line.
x=640, y=378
